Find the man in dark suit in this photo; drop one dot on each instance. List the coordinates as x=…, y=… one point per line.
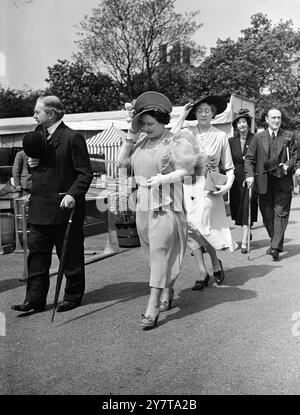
x=277, y=149
x=297, y=167
x=59, y=183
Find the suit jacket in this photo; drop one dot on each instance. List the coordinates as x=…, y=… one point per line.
x=20, y=171
x=66, y=169
x=258, y=153
x=297, y=166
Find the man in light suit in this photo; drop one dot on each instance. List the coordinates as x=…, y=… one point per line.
x=60, y=179
x=276, y=148
x=21, y=174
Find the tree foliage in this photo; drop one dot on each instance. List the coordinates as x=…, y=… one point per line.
x=146, y=45
x=176, y=81
x=17, y=103
x=257, y=66
x=126, y=37
x=80, y=89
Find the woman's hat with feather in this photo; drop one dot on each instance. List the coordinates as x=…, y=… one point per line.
x=243, y=113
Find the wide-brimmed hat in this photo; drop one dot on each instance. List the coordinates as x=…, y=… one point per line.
x=219, y=102
x=243, y=113
x=150, y=101
x=35, y=145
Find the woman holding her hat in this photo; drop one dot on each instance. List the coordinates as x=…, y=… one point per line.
x=239, y=193
x=159, y=164
x=206, y=215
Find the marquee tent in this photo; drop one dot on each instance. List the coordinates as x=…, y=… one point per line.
x=108, y=143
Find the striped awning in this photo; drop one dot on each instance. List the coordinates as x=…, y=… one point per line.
x=108, y=142
x=110, y=137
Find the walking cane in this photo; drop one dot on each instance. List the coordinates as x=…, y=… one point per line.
x=249, y=222
x=62, y=261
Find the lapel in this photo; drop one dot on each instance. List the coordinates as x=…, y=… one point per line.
x=280, y=140
x=265, y=141
x=55, y=138
x=238, y=147
x=195, y=131
x=247, y=143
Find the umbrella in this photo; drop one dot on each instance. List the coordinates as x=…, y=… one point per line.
x=249, y=222
x=62, y=261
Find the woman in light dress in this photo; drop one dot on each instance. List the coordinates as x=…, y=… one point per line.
x=159, y=163
x=207, y=223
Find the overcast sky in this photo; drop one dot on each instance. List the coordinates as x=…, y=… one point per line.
x=35, y=33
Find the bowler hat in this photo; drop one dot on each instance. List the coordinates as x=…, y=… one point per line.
x=35, y=145
x=243, y=113
x=270, y=165
x=219, y=102
x=150, y=101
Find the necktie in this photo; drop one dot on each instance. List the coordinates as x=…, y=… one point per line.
x=49, y=137
x=277, y=172
x=46, y=132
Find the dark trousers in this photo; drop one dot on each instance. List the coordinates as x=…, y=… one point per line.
x=42, y=239
x=275, y=209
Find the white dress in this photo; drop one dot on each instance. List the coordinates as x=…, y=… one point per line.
x=206, y=215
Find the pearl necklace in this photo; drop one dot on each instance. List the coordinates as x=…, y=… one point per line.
x=155, y=146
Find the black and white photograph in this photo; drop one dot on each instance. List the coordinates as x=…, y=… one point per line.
x=149, y=202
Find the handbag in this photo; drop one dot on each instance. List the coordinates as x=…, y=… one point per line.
x=214, y=178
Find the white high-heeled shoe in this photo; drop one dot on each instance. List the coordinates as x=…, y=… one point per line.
x=165, y=305
x=149, y=322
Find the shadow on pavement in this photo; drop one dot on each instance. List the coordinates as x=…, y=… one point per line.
x=123, y=291
x=240, y=275
x=11, y=284
x=120, y=293
x=190, y=302
x=265, y=243
x=289, y=251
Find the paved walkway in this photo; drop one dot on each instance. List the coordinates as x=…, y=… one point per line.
x=240, y=338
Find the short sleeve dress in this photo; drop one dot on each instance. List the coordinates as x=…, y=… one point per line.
x=206, y=214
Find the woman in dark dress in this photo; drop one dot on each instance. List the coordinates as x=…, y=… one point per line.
x=239, y=193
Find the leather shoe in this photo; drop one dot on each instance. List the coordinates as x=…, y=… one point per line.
x=274, y=253
x=67, y=305
x=200, y=284
x=219, y=275
x=28, y=306
x=244, y=250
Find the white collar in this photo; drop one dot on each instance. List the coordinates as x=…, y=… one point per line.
x=53, y=127
x=273, y=131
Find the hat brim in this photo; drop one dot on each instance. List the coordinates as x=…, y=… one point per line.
x=136, y=121
x=270, y=165
x=219, y=102
x=150, y=101
x=247, y=118
x=153, y=99
x=35, y=145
